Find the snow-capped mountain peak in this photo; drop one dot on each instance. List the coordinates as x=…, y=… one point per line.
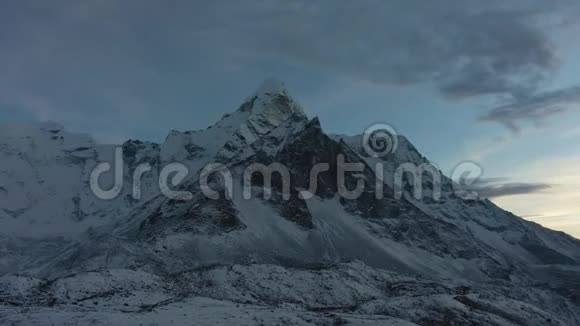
x=378, y=253
x=272, y=87
x=269, y=107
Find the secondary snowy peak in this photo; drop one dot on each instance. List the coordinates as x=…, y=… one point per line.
x=518, y=239
x=42, y=174
x=42, y=140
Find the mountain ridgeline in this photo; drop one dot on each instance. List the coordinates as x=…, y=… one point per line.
x=320, y=259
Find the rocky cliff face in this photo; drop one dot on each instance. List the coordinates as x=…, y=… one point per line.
x=312, y=258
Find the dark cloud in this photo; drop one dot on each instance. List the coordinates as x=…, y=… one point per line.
x=152, y=50
x=465, y=47
x=469, y=48
x=502, y=187
x=534, y=108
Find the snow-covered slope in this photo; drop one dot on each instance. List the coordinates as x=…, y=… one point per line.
x=121, y=259
x=45, y=181
x=520, y=240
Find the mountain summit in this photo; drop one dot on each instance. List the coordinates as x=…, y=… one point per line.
x=317, y=259
x=272, y=87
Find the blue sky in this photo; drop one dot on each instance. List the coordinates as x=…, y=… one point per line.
x=494, y=82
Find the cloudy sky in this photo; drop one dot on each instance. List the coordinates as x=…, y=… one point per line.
x=496, y=82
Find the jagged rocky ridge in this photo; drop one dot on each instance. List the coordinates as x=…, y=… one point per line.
x=317, y=261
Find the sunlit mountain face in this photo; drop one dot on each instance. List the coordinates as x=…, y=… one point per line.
x=301, y=163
